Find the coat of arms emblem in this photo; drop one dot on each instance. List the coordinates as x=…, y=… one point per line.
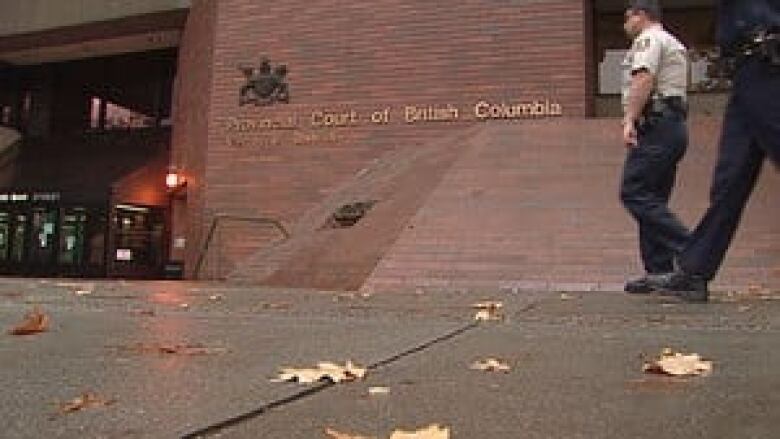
x=264, y=85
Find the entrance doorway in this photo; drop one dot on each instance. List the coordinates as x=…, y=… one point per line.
x=691, y=21
x=49, y=240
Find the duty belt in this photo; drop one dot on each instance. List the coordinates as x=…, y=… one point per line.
x=760, y=44
x=663, y=106
x=657, y=109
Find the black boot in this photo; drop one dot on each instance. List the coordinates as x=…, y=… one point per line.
x=688, y=287
x=646, y=284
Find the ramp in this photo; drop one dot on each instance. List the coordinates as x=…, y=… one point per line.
x=535, y=206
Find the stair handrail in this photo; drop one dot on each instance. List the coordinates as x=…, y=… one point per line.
x=215, y=223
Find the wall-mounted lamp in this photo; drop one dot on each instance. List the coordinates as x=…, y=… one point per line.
x=175, y=182
x=174, y=179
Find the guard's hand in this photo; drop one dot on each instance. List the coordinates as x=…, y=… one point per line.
x=629, y=134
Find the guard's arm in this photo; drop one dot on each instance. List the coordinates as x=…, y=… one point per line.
x=642, y=83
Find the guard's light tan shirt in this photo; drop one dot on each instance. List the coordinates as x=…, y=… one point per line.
x=661, y=54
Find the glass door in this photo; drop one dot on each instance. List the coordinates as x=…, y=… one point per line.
x=5, y=237
x=18, y=238
x=73, y=225
x=44, y=228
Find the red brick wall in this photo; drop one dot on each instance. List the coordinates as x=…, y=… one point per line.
x=191, y=120
x=353, y=56
x=536, y=206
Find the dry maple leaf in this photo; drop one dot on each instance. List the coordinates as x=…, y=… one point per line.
x=378, y=390
x=488, y=305
x=86, y=400
x=434, y=431
x=333, y=434
x=34, y=322
x=324, y=371
x=491, y=365
x=678, y=364
x=488, y=311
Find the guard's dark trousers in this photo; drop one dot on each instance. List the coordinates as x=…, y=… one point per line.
x=751, y=131
x=648, y=178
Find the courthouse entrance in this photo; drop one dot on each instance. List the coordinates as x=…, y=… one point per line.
x=47, y=239
x=83, y=192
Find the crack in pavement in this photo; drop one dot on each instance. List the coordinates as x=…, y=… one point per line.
x=317, y=388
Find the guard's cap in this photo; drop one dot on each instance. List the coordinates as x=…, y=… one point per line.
x=652, y=7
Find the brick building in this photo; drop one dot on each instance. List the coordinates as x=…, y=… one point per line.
x=407, y=144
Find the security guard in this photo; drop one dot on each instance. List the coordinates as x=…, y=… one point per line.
x=654, y=131
x=749, y=34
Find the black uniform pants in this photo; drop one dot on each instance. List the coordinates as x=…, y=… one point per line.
x=751, y=131
x=648, y=178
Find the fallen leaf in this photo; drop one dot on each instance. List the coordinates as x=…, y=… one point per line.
x=432, y=432
x=378, y=390
x=324, y=371
x=490, y=365
x=34, y=322
x=678, y=364
x=333, y=434
x=488, y=311
x=489, y=305
x=86, y=400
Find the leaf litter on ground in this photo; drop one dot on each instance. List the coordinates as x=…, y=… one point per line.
x=325, y=371
x=85, y=400
x=678, y=364
x=491, y=365
x=34, y=322
x=434, y=431
x=378, y=390
x=488, y=310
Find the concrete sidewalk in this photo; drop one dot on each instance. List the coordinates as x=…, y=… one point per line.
x=576, y=362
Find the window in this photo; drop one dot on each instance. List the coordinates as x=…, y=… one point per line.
x=704, y=74
x=110, y=116
x=5, y=115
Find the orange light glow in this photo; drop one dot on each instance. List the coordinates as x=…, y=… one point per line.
x=173, y=179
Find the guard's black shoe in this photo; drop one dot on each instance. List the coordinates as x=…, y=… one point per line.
x=688, y=287
x=649, y=283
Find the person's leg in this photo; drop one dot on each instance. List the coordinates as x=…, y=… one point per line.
x=738, y=167
x=761, y=102
x=648, y=179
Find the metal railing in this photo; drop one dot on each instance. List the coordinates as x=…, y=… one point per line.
x=220, y=218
